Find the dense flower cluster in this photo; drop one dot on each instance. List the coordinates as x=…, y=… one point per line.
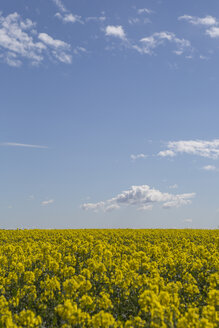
x=109, y=278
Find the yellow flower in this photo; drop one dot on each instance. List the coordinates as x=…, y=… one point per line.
x=102, y=320
x=27, y=318
x=29, y=277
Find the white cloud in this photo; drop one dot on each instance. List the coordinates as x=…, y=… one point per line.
x=16, y=144
x=58, y=48
x=174, y=186
x=203, y=148
x=138, y=156
x=60, y=5
x=95, y=19
x=213, y=32
x=145, y=208
x=47, y=202
x=206, y=21
x=12, y=60
x=116, y=31
x=167, y=152
x=144, y=11
x=148, y=44
x=133, y=21
x=209, y=168
x=137, y=20
x=79, y=50
x=94, y=206
x=112, y=207
x=178, y=200
x=68, y=18
x=188, y=220
x=203, y=57
x=48, y=40
x=143, y=197
x=18, y=41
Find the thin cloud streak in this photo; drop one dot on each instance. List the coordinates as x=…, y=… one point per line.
x=15, y=144
x=47, y=202
x=210, y=168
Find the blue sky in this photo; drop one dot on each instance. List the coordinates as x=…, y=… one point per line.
x=109, y=114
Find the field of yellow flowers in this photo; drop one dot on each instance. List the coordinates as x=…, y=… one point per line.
x=109, y=278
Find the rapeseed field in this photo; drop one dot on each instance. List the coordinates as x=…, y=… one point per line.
x=109, y=278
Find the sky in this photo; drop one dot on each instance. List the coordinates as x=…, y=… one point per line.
x=109, y=114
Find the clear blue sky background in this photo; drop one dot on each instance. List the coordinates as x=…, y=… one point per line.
x=95, y=82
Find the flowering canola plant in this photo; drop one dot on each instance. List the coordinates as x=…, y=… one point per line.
x=109, y=278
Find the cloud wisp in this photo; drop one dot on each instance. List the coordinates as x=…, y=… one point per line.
x=138, y=156
x=60, y=5
x=143, y=14
x=203, y=148
x=174, y=186
x=210, y=23
x=65, y=15
x=47, y=202
x=204, y=21
x=16, y=144
x=68, y=18
x=150, y=43
x=188, y=220
x=144, y=11
x=58, y=48
x=143, y=197
x=19, y=41
x=95, y=18
x=210, y=168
